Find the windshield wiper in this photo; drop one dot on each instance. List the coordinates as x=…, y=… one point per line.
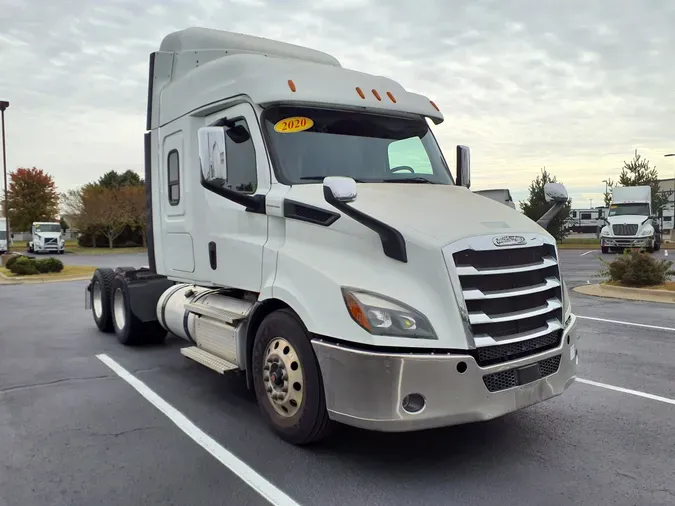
x=408, y=180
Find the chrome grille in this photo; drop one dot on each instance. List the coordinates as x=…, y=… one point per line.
x=51, y=240
x=514, y=300
x=625, y=229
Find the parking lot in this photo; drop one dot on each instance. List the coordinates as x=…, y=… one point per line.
x=73, y=430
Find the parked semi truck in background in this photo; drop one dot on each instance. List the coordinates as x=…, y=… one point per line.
x=305, y=228
x=630, y=222
x=4, y=237
x=46, y=237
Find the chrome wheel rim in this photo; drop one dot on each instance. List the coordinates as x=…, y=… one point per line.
x=97, y=299
x=119, y=309
x=282, y=377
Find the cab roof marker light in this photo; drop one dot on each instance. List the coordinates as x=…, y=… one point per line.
x=291, y=85
x=391, y=96
x=360, y=92
x=433, y=104
x=377, y=95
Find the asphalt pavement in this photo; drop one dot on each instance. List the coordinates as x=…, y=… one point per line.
x=72, y=431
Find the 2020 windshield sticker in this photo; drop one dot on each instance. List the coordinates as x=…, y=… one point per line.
x=293, y=125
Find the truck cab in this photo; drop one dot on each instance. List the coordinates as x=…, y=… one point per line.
x=305, y=228
x=630, y=221
x=46, y=237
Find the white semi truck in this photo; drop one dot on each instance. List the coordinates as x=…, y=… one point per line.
x=46, y=237
x=304, y=228
x=630, y=222
x=4, y=236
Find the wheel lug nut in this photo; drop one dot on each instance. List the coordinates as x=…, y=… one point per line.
x=266, y=368
x=269, y=390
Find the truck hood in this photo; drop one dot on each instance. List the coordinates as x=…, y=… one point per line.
x=444, y=213
x=629, y=219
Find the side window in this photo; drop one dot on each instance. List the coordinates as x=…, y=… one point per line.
x=574, y=214
x=586, y=216
x=242, y=172
x=409, y=153
x=173, y=168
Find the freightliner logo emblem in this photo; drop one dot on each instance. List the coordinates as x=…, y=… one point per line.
x=509, y=240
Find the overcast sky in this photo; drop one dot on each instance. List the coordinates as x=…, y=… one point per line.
x=571, y=85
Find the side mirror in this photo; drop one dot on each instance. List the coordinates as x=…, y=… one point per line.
x=555, y=192
x=339, y=188
x=463, y=166
x=212, y=154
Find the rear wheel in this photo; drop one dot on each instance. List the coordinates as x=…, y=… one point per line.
x=129, y=330
x=287, y=380
x=99, y=296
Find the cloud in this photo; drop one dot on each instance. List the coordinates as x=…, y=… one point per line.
x=572, y=86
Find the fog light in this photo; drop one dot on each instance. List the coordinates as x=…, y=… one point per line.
x=413, y=403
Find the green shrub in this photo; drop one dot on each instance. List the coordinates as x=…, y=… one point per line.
x=24, y=266
x=42, y=265
x=53, y=264
x=11, y=261
x=637, y=268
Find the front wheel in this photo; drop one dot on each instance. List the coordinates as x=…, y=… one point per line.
x=287, y=380
x=604, y=249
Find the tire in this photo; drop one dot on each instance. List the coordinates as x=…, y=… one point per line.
x=604, y=249
x=310, y=423
x=124, y=269
x=99, y=297
x=131, y=331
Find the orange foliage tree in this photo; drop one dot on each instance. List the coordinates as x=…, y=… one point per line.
x=31, y=197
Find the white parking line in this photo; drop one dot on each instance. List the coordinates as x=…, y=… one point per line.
x=584, y=254
x=671, y=329
x=628, y=391
x=252, y=478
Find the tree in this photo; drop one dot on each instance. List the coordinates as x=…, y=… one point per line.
x=638, y=172
x=607, y=196
x=64, y=224
x=133, y=198
x=32, y=197
x=113, y=179
x=105, y=211
x=535, y=206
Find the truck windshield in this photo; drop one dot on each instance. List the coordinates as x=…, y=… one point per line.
x=48, y=227
x=308, y=144
x=629, y=209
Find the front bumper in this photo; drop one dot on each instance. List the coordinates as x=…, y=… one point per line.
x=627, y=242
x=367, y=389
x=48, y=248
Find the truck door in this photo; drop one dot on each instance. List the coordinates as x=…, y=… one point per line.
x=234, y=237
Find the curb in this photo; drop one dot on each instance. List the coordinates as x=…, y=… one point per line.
x=5, y=280
x=627, y=293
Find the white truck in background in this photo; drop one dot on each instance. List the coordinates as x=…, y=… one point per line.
x=304, y=228
x=630, y=221
x=46, y=237
x=4, y=236
x=502, y=195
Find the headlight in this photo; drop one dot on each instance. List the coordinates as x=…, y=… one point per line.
x=647, y=231
x=382, y=316
x=605, y=231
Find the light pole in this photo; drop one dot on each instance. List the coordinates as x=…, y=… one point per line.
x=4, y=105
